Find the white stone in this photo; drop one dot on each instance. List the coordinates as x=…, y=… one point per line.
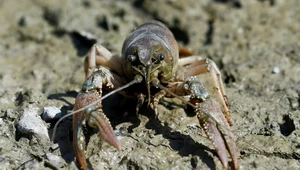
x=276, y=70
x=54, y=159
x=32, y=124
x=51, y=113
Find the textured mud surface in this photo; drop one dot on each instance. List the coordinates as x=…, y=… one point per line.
x=255, y=44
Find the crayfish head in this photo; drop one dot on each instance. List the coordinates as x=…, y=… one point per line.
x=145, y=54
x=149, y=57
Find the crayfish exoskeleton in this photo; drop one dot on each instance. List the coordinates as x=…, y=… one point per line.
x=149, y=69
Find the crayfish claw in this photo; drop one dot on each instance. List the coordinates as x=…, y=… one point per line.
x=217, y=129
x=215, y=137
x=79, y=143
x=94, y=117
x=100, y=121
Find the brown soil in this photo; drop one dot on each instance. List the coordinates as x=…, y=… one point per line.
x=255, y=44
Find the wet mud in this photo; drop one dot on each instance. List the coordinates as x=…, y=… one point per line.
x=254, y=43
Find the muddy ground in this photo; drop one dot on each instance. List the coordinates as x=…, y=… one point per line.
x=255, y=44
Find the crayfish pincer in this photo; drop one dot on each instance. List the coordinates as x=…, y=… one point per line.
x=150, y=69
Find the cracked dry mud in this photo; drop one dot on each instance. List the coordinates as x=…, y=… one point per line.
x=255, y=44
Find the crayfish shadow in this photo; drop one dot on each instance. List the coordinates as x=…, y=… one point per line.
x=63, y=136
x=63, y=96
x=184, y=144
x=120, y=109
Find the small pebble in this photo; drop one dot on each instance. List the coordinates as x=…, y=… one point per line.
x=32, y=124
x=51, y=113
x=54, y=159
x=276, y=70
x=54, y=146
x=240, y=30
x=88, y=36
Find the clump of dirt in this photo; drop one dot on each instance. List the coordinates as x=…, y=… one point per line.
x=254, y=43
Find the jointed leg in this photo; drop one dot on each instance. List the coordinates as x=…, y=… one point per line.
x=140, y=102
x=157, y=97
x=199, y=66
x=90, y=62
x=99, y=55
x=211, y=118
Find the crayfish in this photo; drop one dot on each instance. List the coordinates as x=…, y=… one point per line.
x=150, y=69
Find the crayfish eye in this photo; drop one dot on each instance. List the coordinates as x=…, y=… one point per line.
x=131, y=58
x=161, y=57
